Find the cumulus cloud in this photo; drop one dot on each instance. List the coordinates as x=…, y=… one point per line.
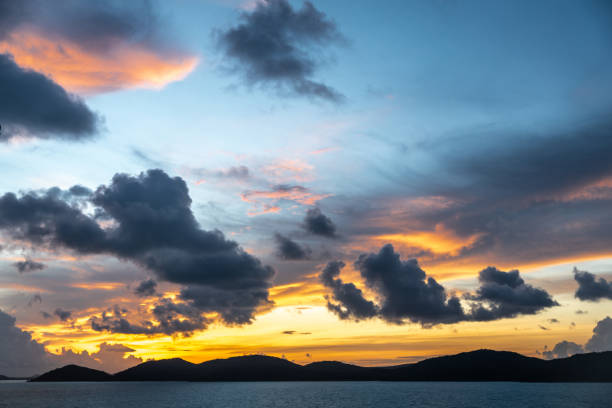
x=590, y=287
x=149, y=222
x=346, y=301
x=318, y=223
x=602, y=336
x=600, y=341
x=406, y=294
x=20, y=355
x=32, y=105
x=277, y=46
x=146, y=288
x=28, y=265
x=290, y=250
x=563, y=349
x=507, y=295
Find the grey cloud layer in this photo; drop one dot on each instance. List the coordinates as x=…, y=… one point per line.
x=276, y=45
x=405, y=293
x=152, y=226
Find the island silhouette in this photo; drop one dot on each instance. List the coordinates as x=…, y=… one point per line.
x=479, y=365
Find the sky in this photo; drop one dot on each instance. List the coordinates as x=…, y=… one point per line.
x=370, y=183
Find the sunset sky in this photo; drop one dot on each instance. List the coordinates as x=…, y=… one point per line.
x=369, y=182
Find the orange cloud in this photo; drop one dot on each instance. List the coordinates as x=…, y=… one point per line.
x=262, y=198
x=439, y=241
x=86, y=72
x=287, y=170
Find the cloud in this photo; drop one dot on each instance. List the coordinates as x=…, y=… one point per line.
x=318, y=223
x=405, y=290
x=32, y=105
x=269, y=200
x=602, y=336
x=239, y=173
x=275, y=45
x=600, y=341
x=94, y=47
x=590, y=287
x=20, y=355
x=347, y=301
x=148, y=221
x=35, y=299
x=28, y=265
x=406, y=294
x=146, y=288
x=507, y=295
x=290, y=250
x=64, y=315
x=563, y=349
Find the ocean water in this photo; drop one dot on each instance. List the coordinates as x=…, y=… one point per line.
x=302, y=394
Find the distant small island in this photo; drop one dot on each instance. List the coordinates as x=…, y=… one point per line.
x=479, y=365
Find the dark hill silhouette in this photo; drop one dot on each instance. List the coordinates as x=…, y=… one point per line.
x=479, y=365
x=175, y=369
x=74, y=373
x=2, y=378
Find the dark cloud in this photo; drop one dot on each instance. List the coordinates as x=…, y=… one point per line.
x=289, y=332
x=581, y=312
x=28, y=265
x=146, y=288
x=543, y=327
x=347, y=301
x=278, y=46
x=405, y=293
x=290, y=250
x=553, y=320
x=405, y=290
x=20, y=355
x=33, y=105
x=45, y=315
x=590, y=287
x=154, y=227
x=64, y=315
x=507, y=295
x=80, y=191
x=318, y=223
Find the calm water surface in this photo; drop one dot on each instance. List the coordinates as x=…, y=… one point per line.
x=302, y=394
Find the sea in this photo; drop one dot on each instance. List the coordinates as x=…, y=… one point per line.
x=350, y=394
